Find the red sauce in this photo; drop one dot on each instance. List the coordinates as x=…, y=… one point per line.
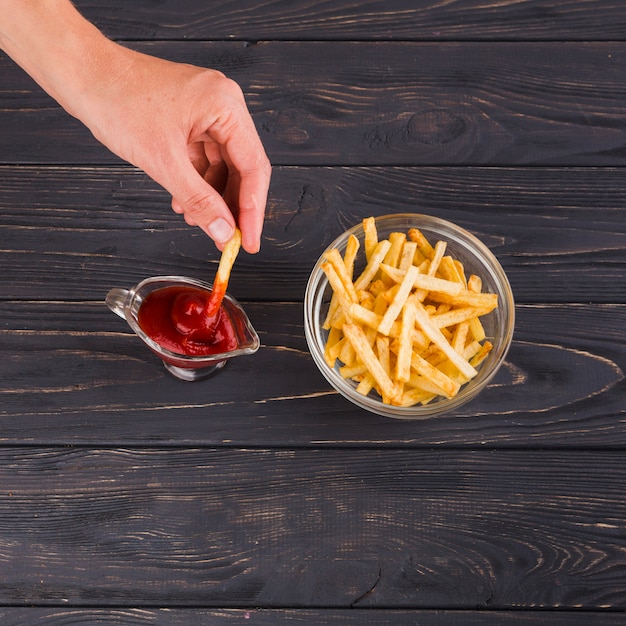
x=175, y=318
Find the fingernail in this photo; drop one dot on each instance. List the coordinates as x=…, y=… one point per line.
x=220, y=230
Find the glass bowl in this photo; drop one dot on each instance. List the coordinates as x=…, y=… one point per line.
x=476, y=258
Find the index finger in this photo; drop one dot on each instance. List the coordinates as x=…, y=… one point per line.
x=248, y=164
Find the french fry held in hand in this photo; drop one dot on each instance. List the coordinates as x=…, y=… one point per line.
x=408, y=326
x=227, y=260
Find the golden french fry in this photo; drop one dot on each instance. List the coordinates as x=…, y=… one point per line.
x=416, y=235
x=461, y=271
x=354, y=334
x=334, y=336
x=449, y=270
x=347, y=354
x=434, y=334
x=382, y=350
x=459, y=337
x=440, y=249
x=397, y=242
x=335, y=349
x=366, y=385
x=474, y=283
x=390, y=294
x=415, y=396
x=371, y=237
x=471, y=349
x=399, y=299
x=426, y=385
x=377, y=287
x=408, y=255
x=373, y=265
x=445, y=385
x=466, y=298
x=222, y=276
x=372, y=320
x=334, y=258
x=352, y=247
x=344, y=297
x=352, y=371
x=456, y=316
x=482, y=353
x=423, y=281
x=405, y=349
x=363, y=316
x=366, y=299
x=437, y=285
x=438, y=252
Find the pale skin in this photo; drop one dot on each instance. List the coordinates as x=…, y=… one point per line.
x=187, y=127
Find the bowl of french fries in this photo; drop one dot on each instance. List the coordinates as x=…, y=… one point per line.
x=408, y=315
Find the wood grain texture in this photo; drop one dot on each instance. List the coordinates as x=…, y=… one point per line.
x=72, y=373
x=262, y=496
x=347, y=19
x=33, y=616
x=86, y=230
x=377, y=528
x=389, y=103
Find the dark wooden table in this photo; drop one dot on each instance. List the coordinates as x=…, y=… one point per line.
x=262, y=496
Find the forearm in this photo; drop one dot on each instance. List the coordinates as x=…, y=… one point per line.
x=64, y=53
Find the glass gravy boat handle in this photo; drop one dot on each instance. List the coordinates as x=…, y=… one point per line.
x=116, y=299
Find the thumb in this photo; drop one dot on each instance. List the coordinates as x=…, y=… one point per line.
x=200, y=203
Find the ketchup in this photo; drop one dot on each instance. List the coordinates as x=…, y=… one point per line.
x=175, y=318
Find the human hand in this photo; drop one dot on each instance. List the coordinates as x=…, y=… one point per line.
x=186, y=127
x=189, y=129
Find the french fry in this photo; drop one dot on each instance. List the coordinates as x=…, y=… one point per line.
x=408, y=255
x=398, y=301
x=352, y=247
x=334, y=336
x=352, y=371
x=359, y=342
x=437, y=255
x=456, y=316
x=415, y=396
x=424, y=281
x=373, y=265
x=343, y=296
x=371, y=237
x=334, y=258
x=408, y=327
x=434, y=334
x=466, y=298
x=222, y=276
x=446, y=386
x=397, y=242
x=405, y=349
x=416, y=235
x=347, y=354
x=366, y=385
x=449, y=270
x=459, y=336
x=474, y=284
x=482, y=353
x=383, y=354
